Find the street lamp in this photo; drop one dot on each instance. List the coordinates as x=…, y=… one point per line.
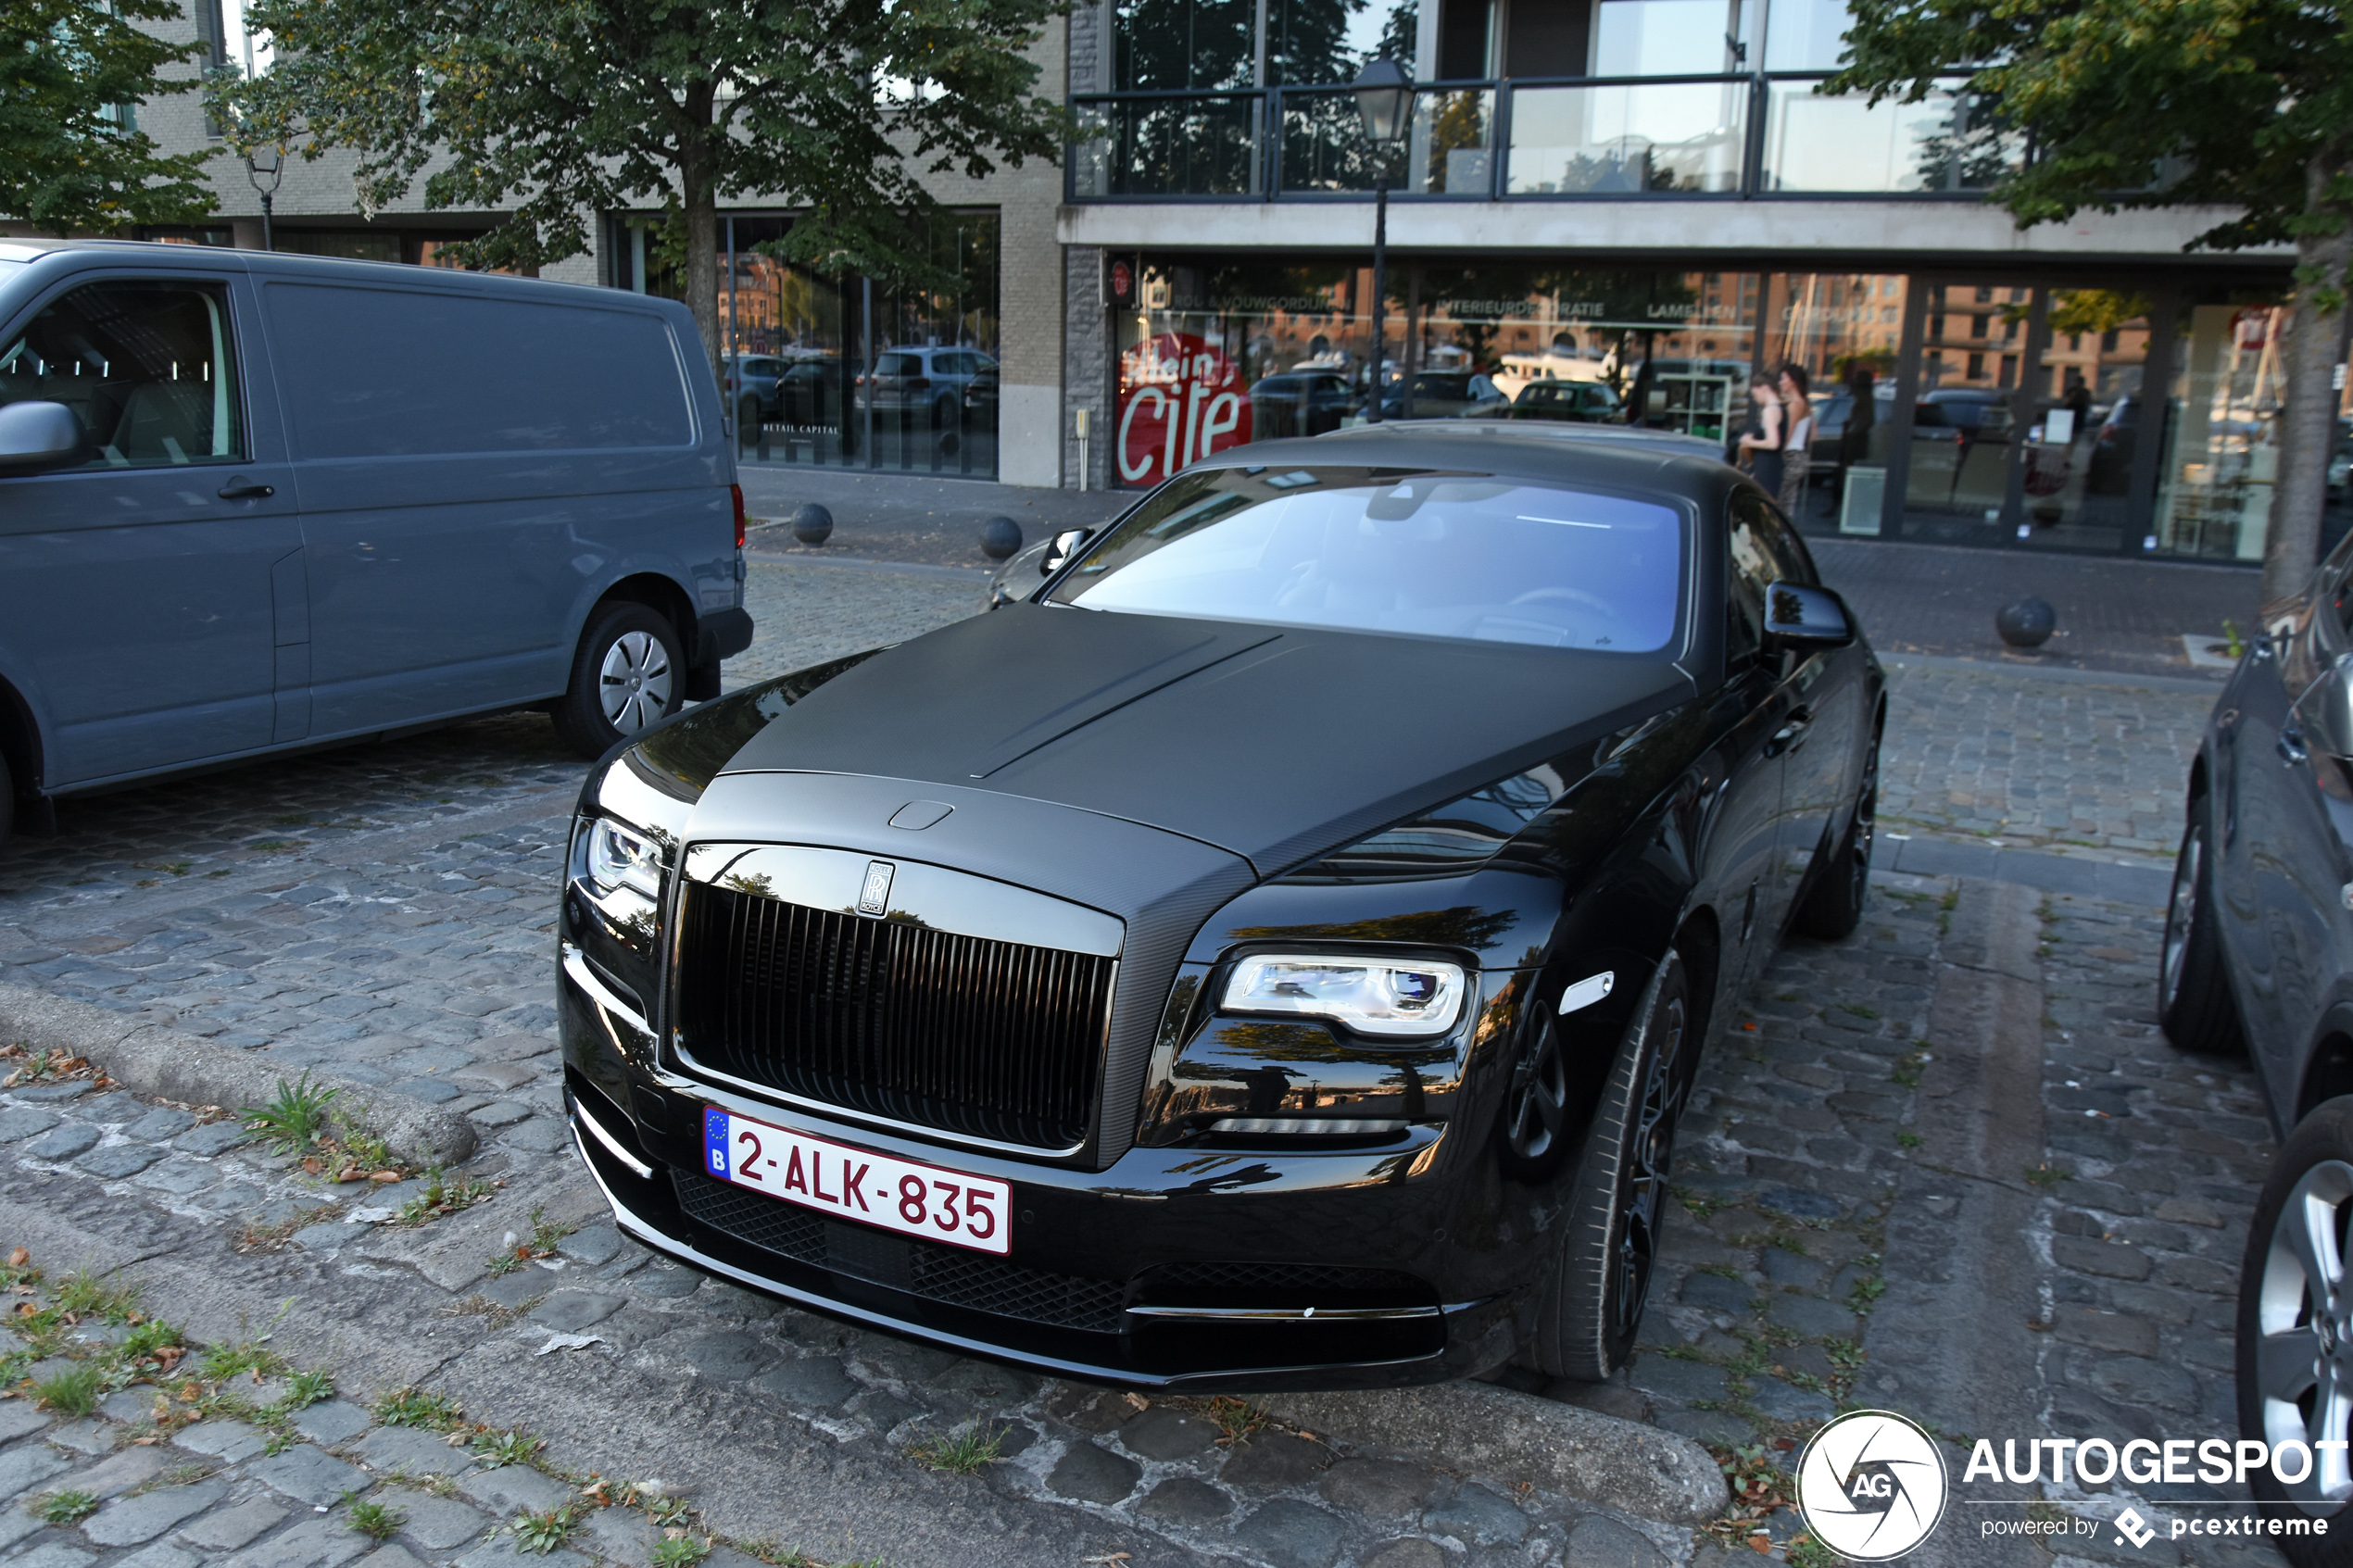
x=1385, y=100
x=265, y=165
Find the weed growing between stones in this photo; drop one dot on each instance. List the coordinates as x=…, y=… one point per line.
x=72, y=1392
x=373, y=1520
x=541, y=1533
x=443, y=1195
x=679, y=1549
x=67, y=1508
x=964, y=1451
x=295, y=1119
x=496, y=1448
x=415, y=1407
x=1237, y=1420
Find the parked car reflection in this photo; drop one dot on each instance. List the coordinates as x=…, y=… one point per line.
x=1440, y=394
x=1576, y=402
x=1309, y=403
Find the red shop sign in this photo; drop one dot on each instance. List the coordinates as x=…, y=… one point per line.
x=1180, y=399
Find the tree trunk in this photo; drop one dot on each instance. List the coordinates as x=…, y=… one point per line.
x=2308, y=424
x=702, y=259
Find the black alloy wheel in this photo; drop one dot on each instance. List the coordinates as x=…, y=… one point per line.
x=2193, y=1003
x=1591, y=1301
x=1834, y=907
x=2296, y=1331
x=1535, y=1124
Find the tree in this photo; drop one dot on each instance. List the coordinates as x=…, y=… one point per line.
x=574, y=107
x=71, y=156
x=2247, y=104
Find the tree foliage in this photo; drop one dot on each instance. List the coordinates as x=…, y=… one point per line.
x=68, y=159
x=2245, y=104
x=563, y=108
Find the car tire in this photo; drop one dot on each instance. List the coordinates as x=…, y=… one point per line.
x=1834, y=907
x=2193, y=1003
x=1589, y=1304
x=628, y=673
x=2296, y=1328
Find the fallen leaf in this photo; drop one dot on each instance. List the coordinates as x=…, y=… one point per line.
x=1107, y=1559
x=313, y=1165
x=1138, y=1401
x=25, y=1309
x=385, y=1176
x=569, y=1342
x=19, y=1258
x=524, y=1253
x=1761, y=1543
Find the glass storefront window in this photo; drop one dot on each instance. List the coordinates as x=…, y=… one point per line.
x=1844, y=331
x=2083, y=401
x=811, y=379
x=2221, y=433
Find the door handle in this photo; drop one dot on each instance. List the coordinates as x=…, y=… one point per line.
x=239, y=488
x=1791, y=735
x=2292, y=748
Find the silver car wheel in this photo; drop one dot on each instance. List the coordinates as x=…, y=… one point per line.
x=633, y=682
x=2304, y=1321
x=2180, y=916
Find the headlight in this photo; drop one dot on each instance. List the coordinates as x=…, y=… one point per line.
x=1372, y=995
x=619, y=856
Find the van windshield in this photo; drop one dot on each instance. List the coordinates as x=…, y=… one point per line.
x=1476, y=556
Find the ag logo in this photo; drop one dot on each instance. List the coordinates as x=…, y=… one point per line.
x=1871, y=1485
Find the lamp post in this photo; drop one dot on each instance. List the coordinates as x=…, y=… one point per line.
x=1385, y=100
x=265, y=165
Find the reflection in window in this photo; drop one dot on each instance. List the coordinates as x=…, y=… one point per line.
x=145, y=368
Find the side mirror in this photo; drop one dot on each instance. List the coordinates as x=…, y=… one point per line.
x=1796, y=616
x=1065, y=545
x=2321, y=719
x=38, y=435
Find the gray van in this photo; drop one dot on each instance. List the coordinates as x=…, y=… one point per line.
x=253, y=502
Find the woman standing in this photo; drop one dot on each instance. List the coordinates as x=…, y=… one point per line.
x=1760, y=444
x=1797, y=450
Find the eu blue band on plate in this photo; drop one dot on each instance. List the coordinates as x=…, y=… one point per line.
x=714, y=1139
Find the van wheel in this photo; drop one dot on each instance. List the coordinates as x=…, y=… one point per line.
x=1590, y=1302
x=2193, y=1003
x=628, y=673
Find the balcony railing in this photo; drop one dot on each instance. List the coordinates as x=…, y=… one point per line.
x=1589, y=138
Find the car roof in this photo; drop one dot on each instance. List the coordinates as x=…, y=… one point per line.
x=1662, y=443
x=1675, y=465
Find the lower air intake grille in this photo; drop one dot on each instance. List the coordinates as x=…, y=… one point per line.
x=947, y=1275
x=999, y=1040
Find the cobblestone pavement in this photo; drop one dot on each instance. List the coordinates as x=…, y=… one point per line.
x=1994, y=754
x=629, y=1367
x=382, y=911
x=1837, y=1247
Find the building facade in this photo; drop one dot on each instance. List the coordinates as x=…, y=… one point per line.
x=1630, y=206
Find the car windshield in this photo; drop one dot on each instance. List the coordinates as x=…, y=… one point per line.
x=1468, y=555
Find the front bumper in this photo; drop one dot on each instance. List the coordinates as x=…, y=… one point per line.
x=1173, y=1269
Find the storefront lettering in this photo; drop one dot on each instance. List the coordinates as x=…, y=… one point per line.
x=1180, y=399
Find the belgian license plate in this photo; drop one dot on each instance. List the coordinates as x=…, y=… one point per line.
x=857, y=1184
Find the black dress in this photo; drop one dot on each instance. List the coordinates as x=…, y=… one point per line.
x=1764, y=463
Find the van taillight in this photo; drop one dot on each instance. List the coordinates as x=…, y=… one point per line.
x=738, y=492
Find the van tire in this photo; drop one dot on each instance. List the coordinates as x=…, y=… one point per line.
x=625, y=644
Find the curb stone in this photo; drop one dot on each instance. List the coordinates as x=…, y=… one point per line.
x=151, y=1059
x=1517, y=1438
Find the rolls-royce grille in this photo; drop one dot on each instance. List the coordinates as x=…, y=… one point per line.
x=947, y=1275
x=996, y=1040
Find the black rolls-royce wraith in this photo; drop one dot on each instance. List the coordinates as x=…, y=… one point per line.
x=1272, y=952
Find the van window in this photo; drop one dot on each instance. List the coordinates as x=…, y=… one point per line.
x=147, y=367
x=899, y=365
x=381, y=373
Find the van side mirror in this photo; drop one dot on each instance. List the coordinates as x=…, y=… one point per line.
x=1800, y=617
x=2321, y=719
x=38, y=435
x=1065, y=545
